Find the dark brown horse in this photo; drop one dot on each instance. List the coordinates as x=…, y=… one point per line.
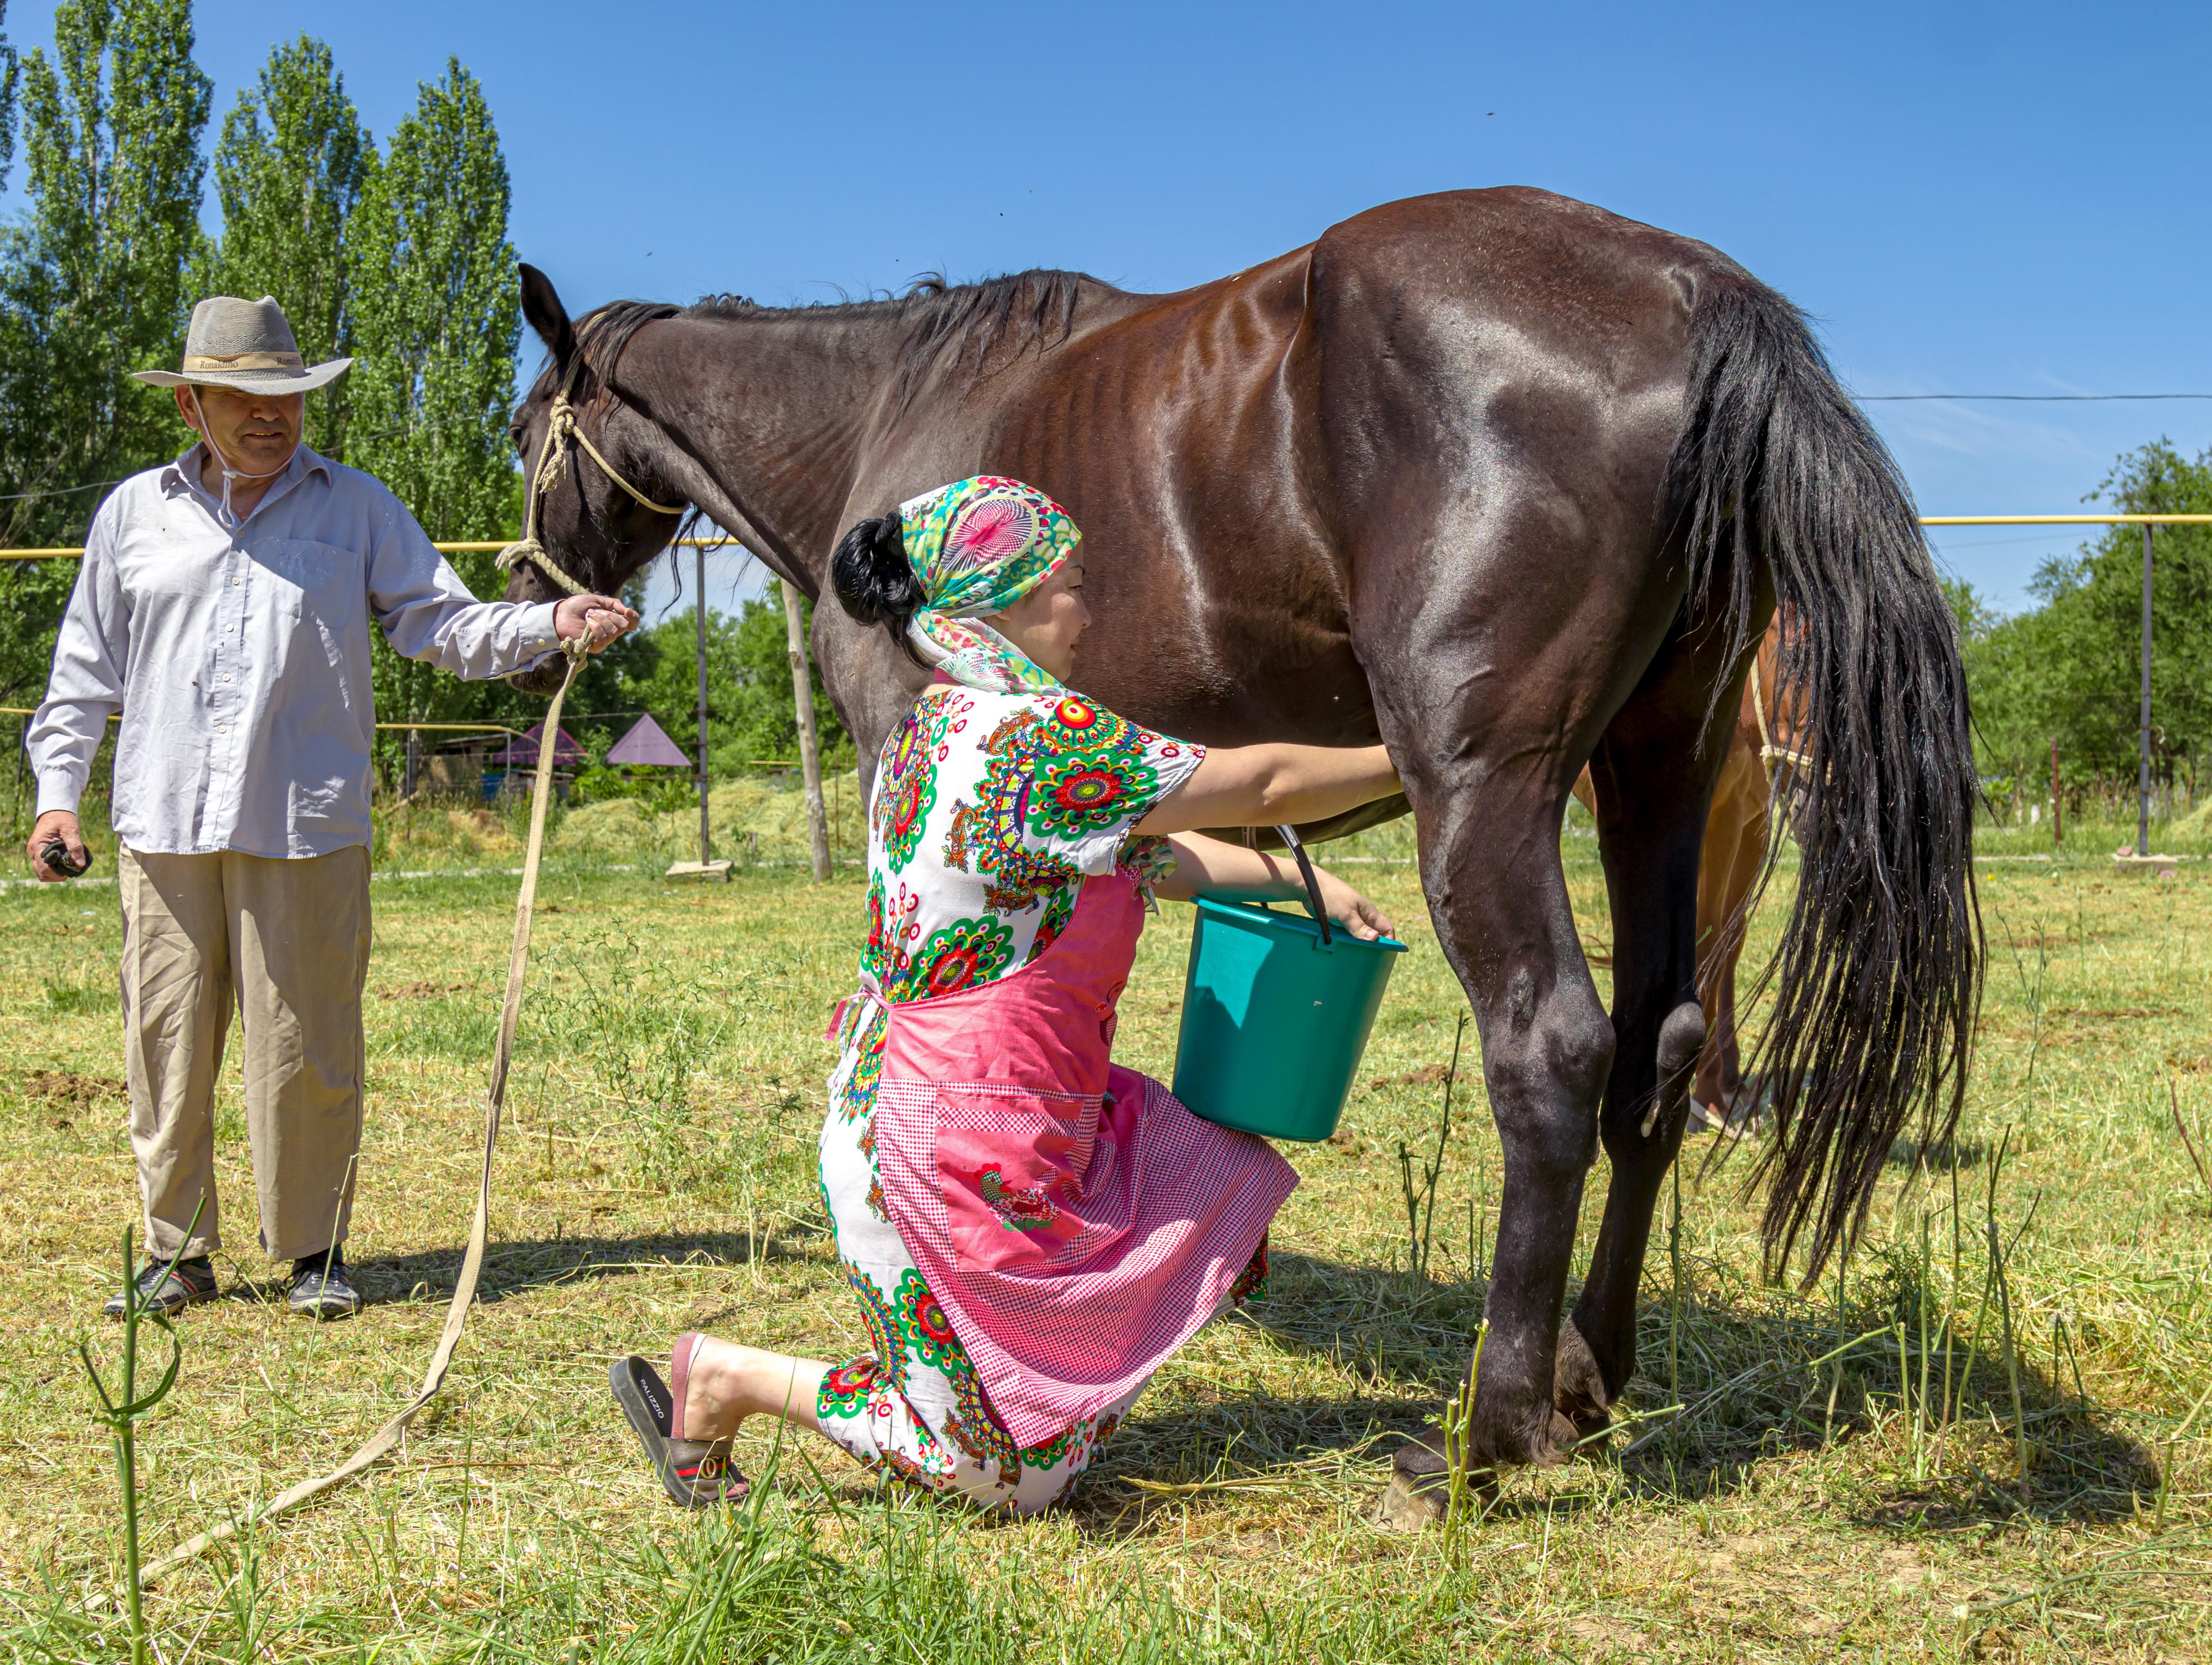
x=1506, y=481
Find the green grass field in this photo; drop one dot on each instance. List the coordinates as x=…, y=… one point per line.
x=657, y=1174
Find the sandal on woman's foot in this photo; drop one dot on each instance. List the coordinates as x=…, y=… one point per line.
x=696, y=1472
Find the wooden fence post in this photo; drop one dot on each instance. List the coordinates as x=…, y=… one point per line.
x=2057, y=817
x=706, y=844
x=810, y=748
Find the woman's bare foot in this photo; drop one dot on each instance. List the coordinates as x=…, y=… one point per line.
x=725, y=1383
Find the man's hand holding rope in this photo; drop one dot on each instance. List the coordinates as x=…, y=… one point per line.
x=597, y=618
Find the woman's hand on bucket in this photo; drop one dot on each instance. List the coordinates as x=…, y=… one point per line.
x=598, y=618
x=1350, y=910
x=1209, y=866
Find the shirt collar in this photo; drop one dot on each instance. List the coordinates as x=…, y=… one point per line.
x=184, y=475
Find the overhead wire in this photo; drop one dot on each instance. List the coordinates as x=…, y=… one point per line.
x=2021, y=398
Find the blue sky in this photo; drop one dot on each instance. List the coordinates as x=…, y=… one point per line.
x=1969, y=196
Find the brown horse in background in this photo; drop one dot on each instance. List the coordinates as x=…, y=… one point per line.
x=1761, y=755
x=1503, y=480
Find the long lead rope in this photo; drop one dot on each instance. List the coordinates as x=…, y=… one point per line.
x=464, y=1287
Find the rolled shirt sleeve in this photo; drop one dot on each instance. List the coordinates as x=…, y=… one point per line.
x=429, y=614
x=85, y=687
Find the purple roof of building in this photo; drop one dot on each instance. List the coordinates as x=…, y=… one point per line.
x=647, y=744
x=565, y=749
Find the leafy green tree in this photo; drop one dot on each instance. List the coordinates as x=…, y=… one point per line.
x=289, y=169
x=437, y=314
x=2069, y=669
x=92, y=285
x=11, y=70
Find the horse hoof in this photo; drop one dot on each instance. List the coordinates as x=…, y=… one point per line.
x=1406, y=1508
x=1420, y=1492
x=1578, y=1395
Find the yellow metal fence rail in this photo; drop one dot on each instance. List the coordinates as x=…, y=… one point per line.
x=463, y=728
x=71, y=551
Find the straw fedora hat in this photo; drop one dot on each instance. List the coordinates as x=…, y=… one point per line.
x=247, y=345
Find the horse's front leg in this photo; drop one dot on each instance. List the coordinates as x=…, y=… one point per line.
x=1490, y=862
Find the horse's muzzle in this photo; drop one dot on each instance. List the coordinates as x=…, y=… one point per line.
x=543, y=679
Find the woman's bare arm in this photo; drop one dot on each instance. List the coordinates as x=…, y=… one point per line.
x=1266, y=786
x=1207, y=867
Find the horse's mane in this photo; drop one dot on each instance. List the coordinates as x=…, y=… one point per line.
x=950, y=324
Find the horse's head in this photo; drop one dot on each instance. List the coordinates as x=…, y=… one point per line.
x=583, y=520
x=1785, y=726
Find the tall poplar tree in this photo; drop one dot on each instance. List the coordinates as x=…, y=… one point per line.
x=289, y=171
x=437, y=315
x=92, y=285
x=11, y=69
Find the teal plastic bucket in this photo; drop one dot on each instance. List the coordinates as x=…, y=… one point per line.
x=1275, y=1015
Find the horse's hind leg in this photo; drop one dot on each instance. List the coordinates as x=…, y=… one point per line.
x=1490, y=863
x=1487, y=766
x=1654, y=772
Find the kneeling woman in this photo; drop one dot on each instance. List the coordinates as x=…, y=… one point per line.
x=1030, y=1230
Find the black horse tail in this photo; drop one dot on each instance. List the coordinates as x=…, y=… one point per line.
x=1877, y=980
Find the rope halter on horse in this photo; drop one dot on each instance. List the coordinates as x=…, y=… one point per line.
x=561, y=427
x=1769, y=753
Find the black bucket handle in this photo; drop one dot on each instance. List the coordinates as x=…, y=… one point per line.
x=1313, y=886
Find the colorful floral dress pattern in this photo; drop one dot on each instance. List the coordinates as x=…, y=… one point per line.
x=989, y=813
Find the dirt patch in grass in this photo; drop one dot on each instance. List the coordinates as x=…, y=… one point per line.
x=70, y=1090
x=423, y=988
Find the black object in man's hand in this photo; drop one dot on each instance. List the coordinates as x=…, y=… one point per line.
x=55, y=853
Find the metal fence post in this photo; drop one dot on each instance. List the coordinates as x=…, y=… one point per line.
x=2142, y=766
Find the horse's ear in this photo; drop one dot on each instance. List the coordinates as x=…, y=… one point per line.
x=543, y=307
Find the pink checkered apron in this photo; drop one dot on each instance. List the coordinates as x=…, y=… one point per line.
x=1077, y=1223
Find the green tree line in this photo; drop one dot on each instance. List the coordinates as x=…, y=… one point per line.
x=395, y=254
x=2067, y=670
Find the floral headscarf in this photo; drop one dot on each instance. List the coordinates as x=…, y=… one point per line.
x=979, y=546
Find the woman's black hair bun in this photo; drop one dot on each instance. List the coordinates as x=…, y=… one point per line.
x=874, y=580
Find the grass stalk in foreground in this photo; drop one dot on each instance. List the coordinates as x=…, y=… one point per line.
x=2173, y=1093
x=1421, y=1200
x=1674, y=1289
x=1459, y=1421
x=2004, y=1313
x=122, y=1411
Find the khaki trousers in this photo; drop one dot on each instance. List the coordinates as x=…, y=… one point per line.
x=286, y=943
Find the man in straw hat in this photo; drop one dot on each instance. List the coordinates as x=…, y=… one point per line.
x=223, y=608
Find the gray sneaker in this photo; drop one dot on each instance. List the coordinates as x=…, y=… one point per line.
x=169, y=1292
x=320, y=1288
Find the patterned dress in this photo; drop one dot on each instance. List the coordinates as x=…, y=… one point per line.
x=990, y=811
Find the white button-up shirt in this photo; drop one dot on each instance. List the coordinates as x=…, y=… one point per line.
x=238, y=656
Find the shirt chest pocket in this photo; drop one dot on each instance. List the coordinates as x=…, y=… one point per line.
x=315, y=593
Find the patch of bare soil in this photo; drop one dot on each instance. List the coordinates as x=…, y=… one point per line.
x=424, y=989
x=67, y=1087
x=1429, y=1075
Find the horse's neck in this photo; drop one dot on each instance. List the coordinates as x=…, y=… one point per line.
x=763, y=418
